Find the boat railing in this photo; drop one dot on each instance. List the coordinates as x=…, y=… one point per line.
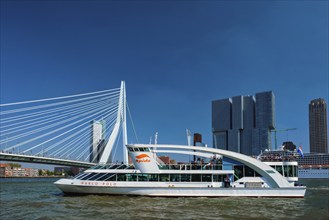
x=190, y=167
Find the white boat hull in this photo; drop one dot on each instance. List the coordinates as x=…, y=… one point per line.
x=172, y=190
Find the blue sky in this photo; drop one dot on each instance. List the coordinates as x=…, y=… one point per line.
x=175, y=56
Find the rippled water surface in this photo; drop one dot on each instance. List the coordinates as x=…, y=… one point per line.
x=40, y=199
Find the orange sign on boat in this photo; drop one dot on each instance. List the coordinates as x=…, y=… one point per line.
x=143, y=158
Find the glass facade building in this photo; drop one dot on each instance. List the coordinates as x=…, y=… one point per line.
x=318, y=126
x=243, y=123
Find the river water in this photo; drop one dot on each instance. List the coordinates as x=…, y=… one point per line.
x=38, y=198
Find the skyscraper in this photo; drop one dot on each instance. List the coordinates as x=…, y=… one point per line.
x=318, y=126
x=97, y=142
x=265, y=122
x=243, y=123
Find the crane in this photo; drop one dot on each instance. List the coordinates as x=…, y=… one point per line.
x=275, y=131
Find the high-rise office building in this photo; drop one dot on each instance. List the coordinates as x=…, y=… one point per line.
x=264, y=122
x=243, y=123
x=318, y=126
x=97, y=142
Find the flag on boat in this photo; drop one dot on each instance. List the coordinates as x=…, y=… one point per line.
x=300, y=151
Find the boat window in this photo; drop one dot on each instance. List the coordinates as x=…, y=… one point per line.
x=196, y=177
x=131, y=177
x=87, y=176
x=164, y=177
x=141, y=149
x=290, y=171
x=279, y=169
x=186, y=178
x=121, y=177
x=96, y=176
x=206, y=177
x=146, y=149
x=217, y=178
x=112, y=177
x=153, y=177
x=174, y=177
x=136, y=149
x=80, y=175
x=105, y=176
x=285, y=170
x=295, y=171
x=238, y=172
x=142, y=177
x=131, y=149
x=248, y=171
x=257, y=174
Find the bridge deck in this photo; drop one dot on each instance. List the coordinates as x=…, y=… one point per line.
x=43, y=160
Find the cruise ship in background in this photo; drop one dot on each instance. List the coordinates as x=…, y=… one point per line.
x=313, y=166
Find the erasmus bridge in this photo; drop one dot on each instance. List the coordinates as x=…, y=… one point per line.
x=77, y=130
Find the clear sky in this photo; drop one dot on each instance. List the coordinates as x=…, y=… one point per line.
x=175, y=56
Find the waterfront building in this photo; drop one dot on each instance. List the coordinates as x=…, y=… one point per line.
x=3, y=170
x=31, y=172
x=243, y=124
x=7, y=171
x=318, y=126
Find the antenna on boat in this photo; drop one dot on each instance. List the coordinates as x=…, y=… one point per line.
x=156, y=138
x=189, y=137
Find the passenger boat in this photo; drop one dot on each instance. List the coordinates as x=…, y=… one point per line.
x=219, y=173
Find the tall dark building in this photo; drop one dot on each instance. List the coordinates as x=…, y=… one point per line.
x=243, y=123
x=318, y=126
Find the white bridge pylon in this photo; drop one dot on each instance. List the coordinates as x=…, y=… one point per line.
x=120, y=122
